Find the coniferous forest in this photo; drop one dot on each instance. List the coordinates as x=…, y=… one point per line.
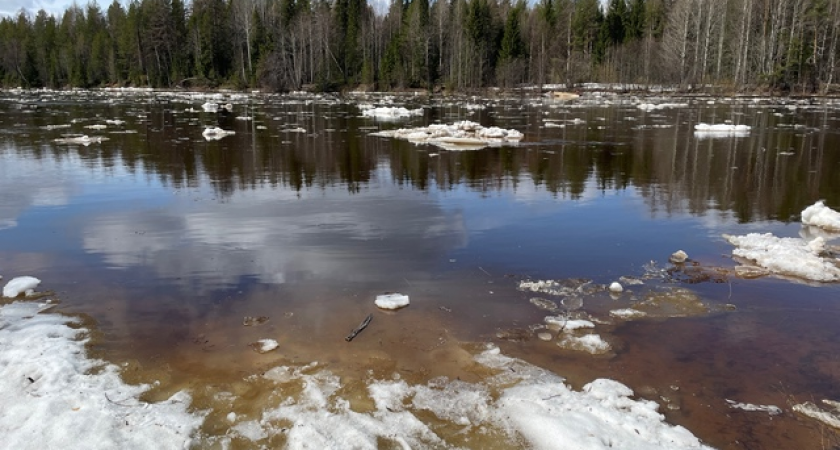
x=787, y=46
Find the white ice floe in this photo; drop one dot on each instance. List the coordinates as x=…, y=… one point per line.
x=116, y=122
x=616, y=287
x=830, y=418
x=55, y=396
x=82, y=140
x=655, y=106
x=720, y=130
x=566, y=324
x=821, y=216
x=769, y=409
x=391, y=301
x=20, y=285
x=97, y=126
x=216, y=133
x=591, y=343
x=521, y=406
x=210, y=107
x=387, y=112
x=265, y=345
x=627, y=313
x=464, y=135
x=787, y=256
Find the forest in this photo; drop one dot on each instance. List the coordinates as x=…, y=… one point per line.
x=781, y=46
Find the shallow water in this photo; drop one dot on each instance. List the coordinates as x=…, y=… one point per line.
x=168, y=241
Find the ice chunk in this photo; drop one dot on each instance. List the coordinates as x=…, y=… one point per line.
x=830, y=418
x=704, y=130
x=566, y=324
x=678, y=256
x=822, y=216
x=216, y=133
x=20, y=285
x=386, y=112
x=391, y=301
x=463, y=135
x=264, y=345
x=616, y=287
x=627, y=313
x=591, y=343
x=769, y=409
x=785, y=256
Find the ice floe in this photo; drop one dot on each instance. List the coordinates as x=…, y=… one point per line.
x=616, y=287
x=20, y=285
x=792, y=257
x=821, y=216
x=265, y=345
x=590, y=343
x=627, y=313
x=216, y=133
x=82, y=140
x=720, y=130
x=391, y=301
x=55, y=396
x=769, y=409
x=389, y=112
x=464, y=135
x=829, y=417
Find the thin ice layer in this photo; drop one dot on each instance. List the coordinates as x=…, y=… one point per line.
x=786, y=256
x=54, y=396
x=821, y=216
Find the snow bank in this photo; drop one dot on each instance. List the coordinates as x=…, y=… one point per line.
x=821, y=216
x=391, y=301
x=20, y=285
x=54, y=396
x=521, y=406
x=786, y=256
x=464, y=135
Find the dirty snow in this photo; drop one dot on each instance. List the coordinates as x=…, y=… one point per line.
x=391, y=301
x=55, y=396
x=793, y=257
x=821, y=216
x=20, y=285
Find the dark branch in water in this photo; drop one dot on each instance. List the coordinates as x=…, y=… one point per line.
x=359, y=329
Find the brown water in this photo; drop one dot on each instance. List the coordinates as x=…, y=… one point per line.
x=168, y=241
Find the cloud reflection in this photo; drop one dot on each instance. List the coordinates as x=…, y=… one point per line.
x=271, y=235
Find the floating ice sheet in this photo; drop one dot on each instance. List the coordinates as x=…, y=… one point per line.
x=463, y=135
x=793, y=257
x=216, y=133
x=705, y=130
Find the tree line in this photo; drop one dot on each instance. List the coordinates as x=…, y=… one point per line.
x=280, y=45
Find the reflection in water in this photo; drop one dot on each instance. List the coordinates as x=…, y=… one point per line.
x=169, y=240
